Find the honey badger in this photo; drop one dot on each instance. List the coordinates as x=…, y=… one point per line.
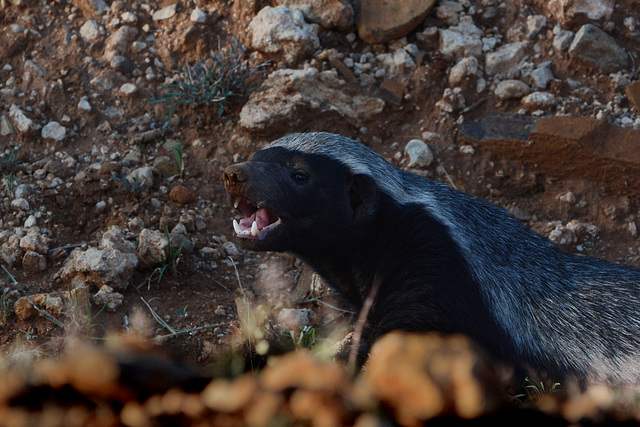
x=444, y=261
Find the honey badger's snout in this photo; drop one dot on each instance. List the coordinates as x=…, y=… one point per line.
x=257, y=220
x=236, y=178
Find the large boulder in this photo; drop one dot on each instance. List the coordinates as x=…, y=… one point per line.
x=380, y=21
x=286, y=94
x=111, y=263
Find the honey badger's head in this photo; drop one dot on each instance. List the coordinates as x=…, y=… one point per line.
x=299, y=195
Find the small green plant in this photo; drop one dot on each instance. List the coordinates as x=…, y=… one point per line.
x=306, y=339
x=210, y=82
x=11, y=182
x=177, y=153
x=174, y=332
x=535, y=390
x=10, y=160
x=79, y=311
x=5, y=304
x=132, y=185
x=170, y=262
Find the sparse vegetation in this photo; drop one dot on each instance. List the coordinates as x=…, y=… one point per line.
x=209, y=82
x=170, y=262
x=131, y=186
x=178, y=155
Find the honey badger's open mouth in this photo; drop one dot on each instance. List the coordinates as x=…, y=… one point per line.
x=257, y=222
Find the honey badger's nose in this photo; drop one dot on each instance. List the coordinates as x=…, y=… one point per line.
x=235, y=176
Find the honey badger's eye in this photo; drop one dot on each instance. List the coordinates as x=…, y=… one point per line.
x=299, y=176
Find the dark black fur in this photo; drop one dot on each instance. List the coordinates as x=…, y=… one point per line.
x=445, y=261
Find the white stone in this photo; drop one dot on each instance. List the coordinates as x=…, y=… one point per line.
x=90, y=30
x=467, y=67
x=20, y=121
x=107, y=296
x=198, y=15
x=511, y=89
x=465, y=39
x=129, y=18
x=165, y=13
x=20, y=204
x=54, y=130
x=540, y=100
x=128, y=89
x=419, y=153
x=84, y=104
x=283, y=32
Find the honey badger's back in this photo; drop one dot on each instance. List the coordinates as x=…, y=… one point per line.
x=569, y=315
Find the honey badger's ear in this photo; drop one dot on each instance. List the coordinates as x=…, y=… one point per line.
x=363, y=195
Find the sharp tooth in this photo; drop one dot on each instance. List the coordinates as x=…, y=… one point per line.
x=254, y=229
x=236, y=202
x=237, y=227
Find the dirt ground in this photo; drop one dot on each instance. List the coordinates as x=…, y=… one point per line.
x=201, y=297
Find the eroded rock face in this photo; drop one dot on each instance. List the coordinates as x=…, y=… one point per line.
x=287, y=93
x=111, y=263
x=282, y=33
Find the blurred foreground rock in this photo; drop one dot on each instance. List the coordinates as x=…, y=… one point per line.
x=409, y=380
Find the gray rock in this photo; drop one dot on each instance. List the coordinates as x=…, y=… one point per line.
x=283, y=33
x=562, y=41
x=54, y=130
x=507, y=59
x=84, y=105
x=541, y=77
x=5, y=126
x=326, y=13
x=593, y=45
x=511, y=89
x=198, y=15
x=121, y=63
x=419, y=153
x=23, y=191
x=119, y=41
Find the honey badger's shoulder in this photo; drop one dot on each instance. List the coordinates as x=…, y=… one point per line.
x=445, y=261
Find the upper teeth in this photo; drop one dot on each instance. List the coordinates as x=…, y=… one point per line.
x=236, y=202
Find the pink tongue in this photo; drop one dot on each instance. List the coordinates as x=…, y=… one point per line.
x=261, y=216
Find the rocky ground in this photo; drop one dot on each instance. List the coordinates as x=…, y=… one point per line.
x=113, y=214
